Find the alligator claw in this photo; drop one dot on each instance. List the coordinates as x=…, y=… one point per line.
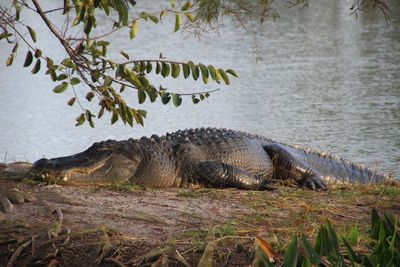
x=8, y=197
x=314, y=183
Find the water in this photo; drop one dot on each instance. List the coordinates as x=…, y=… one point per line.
x=326, y=80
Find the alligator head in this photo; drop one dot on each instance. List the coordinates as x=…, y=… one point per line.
x=105, y=162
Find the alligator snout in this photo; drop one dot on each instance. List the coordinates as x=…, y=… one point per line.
x=47, y=169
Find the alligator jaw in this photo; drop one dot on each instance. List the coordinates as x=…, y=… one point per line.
x=67, y=168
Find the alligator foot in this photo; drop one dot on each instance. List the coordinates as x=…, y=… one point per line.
x=218, y=174
x=8, y=197
x=313, y=182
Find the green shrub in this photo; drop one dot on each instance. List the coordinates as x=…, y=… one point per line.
x=383, y=250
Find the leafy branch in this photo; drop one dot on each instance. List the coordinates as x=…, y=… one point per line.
x=87, y=62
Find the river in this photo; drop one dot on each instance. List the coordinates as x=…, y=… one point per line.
x=325, y=80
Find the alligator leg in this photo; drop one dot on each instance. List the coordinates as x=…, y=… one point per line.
x=287, y=166
x=218, y=174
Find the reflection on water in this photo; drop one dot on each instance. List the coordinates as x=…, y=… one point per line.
x=325, y=80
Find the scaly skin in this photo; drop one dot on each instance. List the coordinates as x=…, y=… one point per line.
x=202, y=157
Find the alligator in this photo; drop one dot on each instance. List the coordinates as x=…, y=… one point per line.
x=204, y=157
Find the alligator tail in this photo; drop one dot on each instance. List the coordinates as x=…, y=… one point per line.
x=299, y=163
x=336, y=169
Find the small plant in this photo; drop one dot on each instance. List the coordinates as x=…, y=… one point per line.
x=383, y=250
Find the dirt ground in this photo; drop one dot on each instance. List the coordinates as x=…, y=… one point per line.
x=127, y=225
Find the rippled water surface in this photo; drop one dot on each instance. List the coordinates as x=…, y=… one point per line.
x=326, y=80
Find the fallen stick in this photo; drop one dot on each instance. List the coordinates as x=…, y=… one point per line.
x=17, y=253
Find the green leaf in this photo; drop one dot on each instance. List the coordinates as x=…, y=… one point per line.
x=354, y=235
x=144, y=15
x=15, y=48
x=143, y=66
x=141, y=96
x=10, y=60
x=218, y=76
x=142, y=113
x=350, y=252
x=211, y=71
x=120, y=70
x=291, y=254
x=36, y=68
x=81, y=15
x=28, y=59
x=129, y=117
x=89, y=96
x=134, y=29
x=32, y=33
x=89, y=117
x=114, y=117
x=158, y=68
x=176, y=100
x=333, y=238
x=195, y=100
x=62, y=77
x=132, y=2
x=166, y=69
x=153, y=18
x=393, y=237
x=49, y=63
x=75, y=81
x=103, y=43
x=124, y=54
x=67, y=62
x=5, y=35
x=88, y=25
x=107, y=80
x=60, y=88
x=138, y=118
x=152, y=93
x=186, y=70
x=38, y=53
x=53, y=75
x=143, y=80
x=204, y=73
x=195, y=70
x=186, y=6
x=177, y=22
x=80, y=119
x=314, y=257
x=232, y=72
x=224, y=76
x=162, y=14
x=306, y=263
x=190, y=17
x=101, y=112
x=149, y=67
x=165, y=97
x=133, y=79
x=71, y=101
x=175, y=70
x=375, y=224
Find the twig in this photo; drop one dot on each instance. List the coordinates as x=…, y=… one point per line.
x=17, y=253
